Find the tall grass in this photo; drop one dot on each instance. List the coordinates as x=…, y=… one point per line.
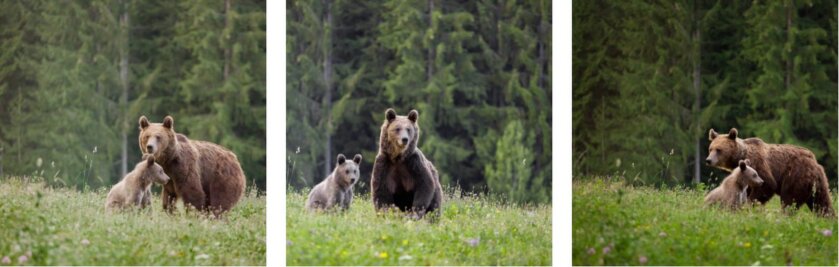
x=41, y=225
x=470, y=231
x=619, y=224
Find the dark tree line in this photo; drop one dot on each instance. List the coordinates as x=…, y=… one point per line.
x=651, y=77
x=76, y=76
x=478, y=72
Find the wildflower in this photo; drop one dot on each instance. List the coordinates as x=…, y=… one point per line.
x=22, y=259
x=473, y=241
x=747, y=245
x=405, y=257
x=202, y=257
x=6, y=260
x=288, y=242
x=85, y=242
x=662, y=234
x=642, y=260
x=591, y=251
x=827, y=232
x=606, y=249
x=382, y=255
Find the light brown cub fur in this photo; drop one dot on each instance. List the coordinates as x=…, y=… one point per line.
x=135, y=187
x=336, y=189
x=733, y=191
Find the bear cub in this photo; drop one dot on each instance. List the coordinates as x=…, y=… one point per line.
x=135, y=187
x=336, y=189
x=733, y=191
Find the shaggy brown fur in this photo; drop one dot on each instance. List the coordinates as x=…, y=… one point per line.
x=790, y=171
x=402, y=176
x=337, y=187
x=204, y=175
x=732, y=192
x=135, y=187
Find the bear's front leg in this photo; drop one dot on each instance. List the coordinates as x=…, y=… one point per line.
x=333, y=200
x=424, y=184
x=168, y=196
x=193, y=194
x=764, y=192
x=347, y=199
x=146, y=199
x=382, y=196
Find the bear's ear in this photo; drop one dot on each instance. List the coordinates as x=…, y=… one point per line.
x=168, y=122
x=357, y=159
x=413, y=115
x=732, y=133
x=150, y=160
x=748, y=162
x=712, y=134
x=390, y=114
x=743, y=165
x=341, y=159
x=144, y=122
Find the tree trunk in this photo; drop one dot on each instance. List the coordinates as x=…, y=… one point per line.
x=697, y=87
x=788, y=75
x=327, y=81
x=123, y=77
x=227, y=52
x=429, y=70
x=540, y=83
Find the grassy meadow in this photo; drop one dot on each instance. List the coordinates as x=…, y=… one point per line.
x=618, y=224
x=470, y=231
x=40, y=225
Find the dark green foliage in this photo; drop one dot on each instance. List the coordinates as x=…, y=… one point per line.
x=469, y=68
x=766, y=68
x=77, y=75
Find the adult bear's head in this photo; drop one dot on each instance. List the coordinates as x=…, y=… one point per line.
x=725, y=151
x=157, y=138
x=399, y=133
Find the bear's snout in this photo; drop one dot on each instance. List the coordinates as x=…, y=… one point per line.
x=404, y=140
x=352, y=180
x=150, y=148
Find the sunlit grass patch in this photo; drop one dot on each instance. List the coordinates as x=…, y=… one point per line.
x=56, y=226
x=618, y=224
x=470, y=231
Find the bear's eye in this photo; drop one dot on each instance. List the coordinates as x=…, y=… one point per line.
x=348, y=172
x=397, y=129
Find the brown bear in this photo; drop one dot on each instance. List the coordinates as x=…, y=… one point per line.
x=204, y=175
x=790, y=171
x=402, y=175
x=336, y=189
x=135, y=188
x=732, y=192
